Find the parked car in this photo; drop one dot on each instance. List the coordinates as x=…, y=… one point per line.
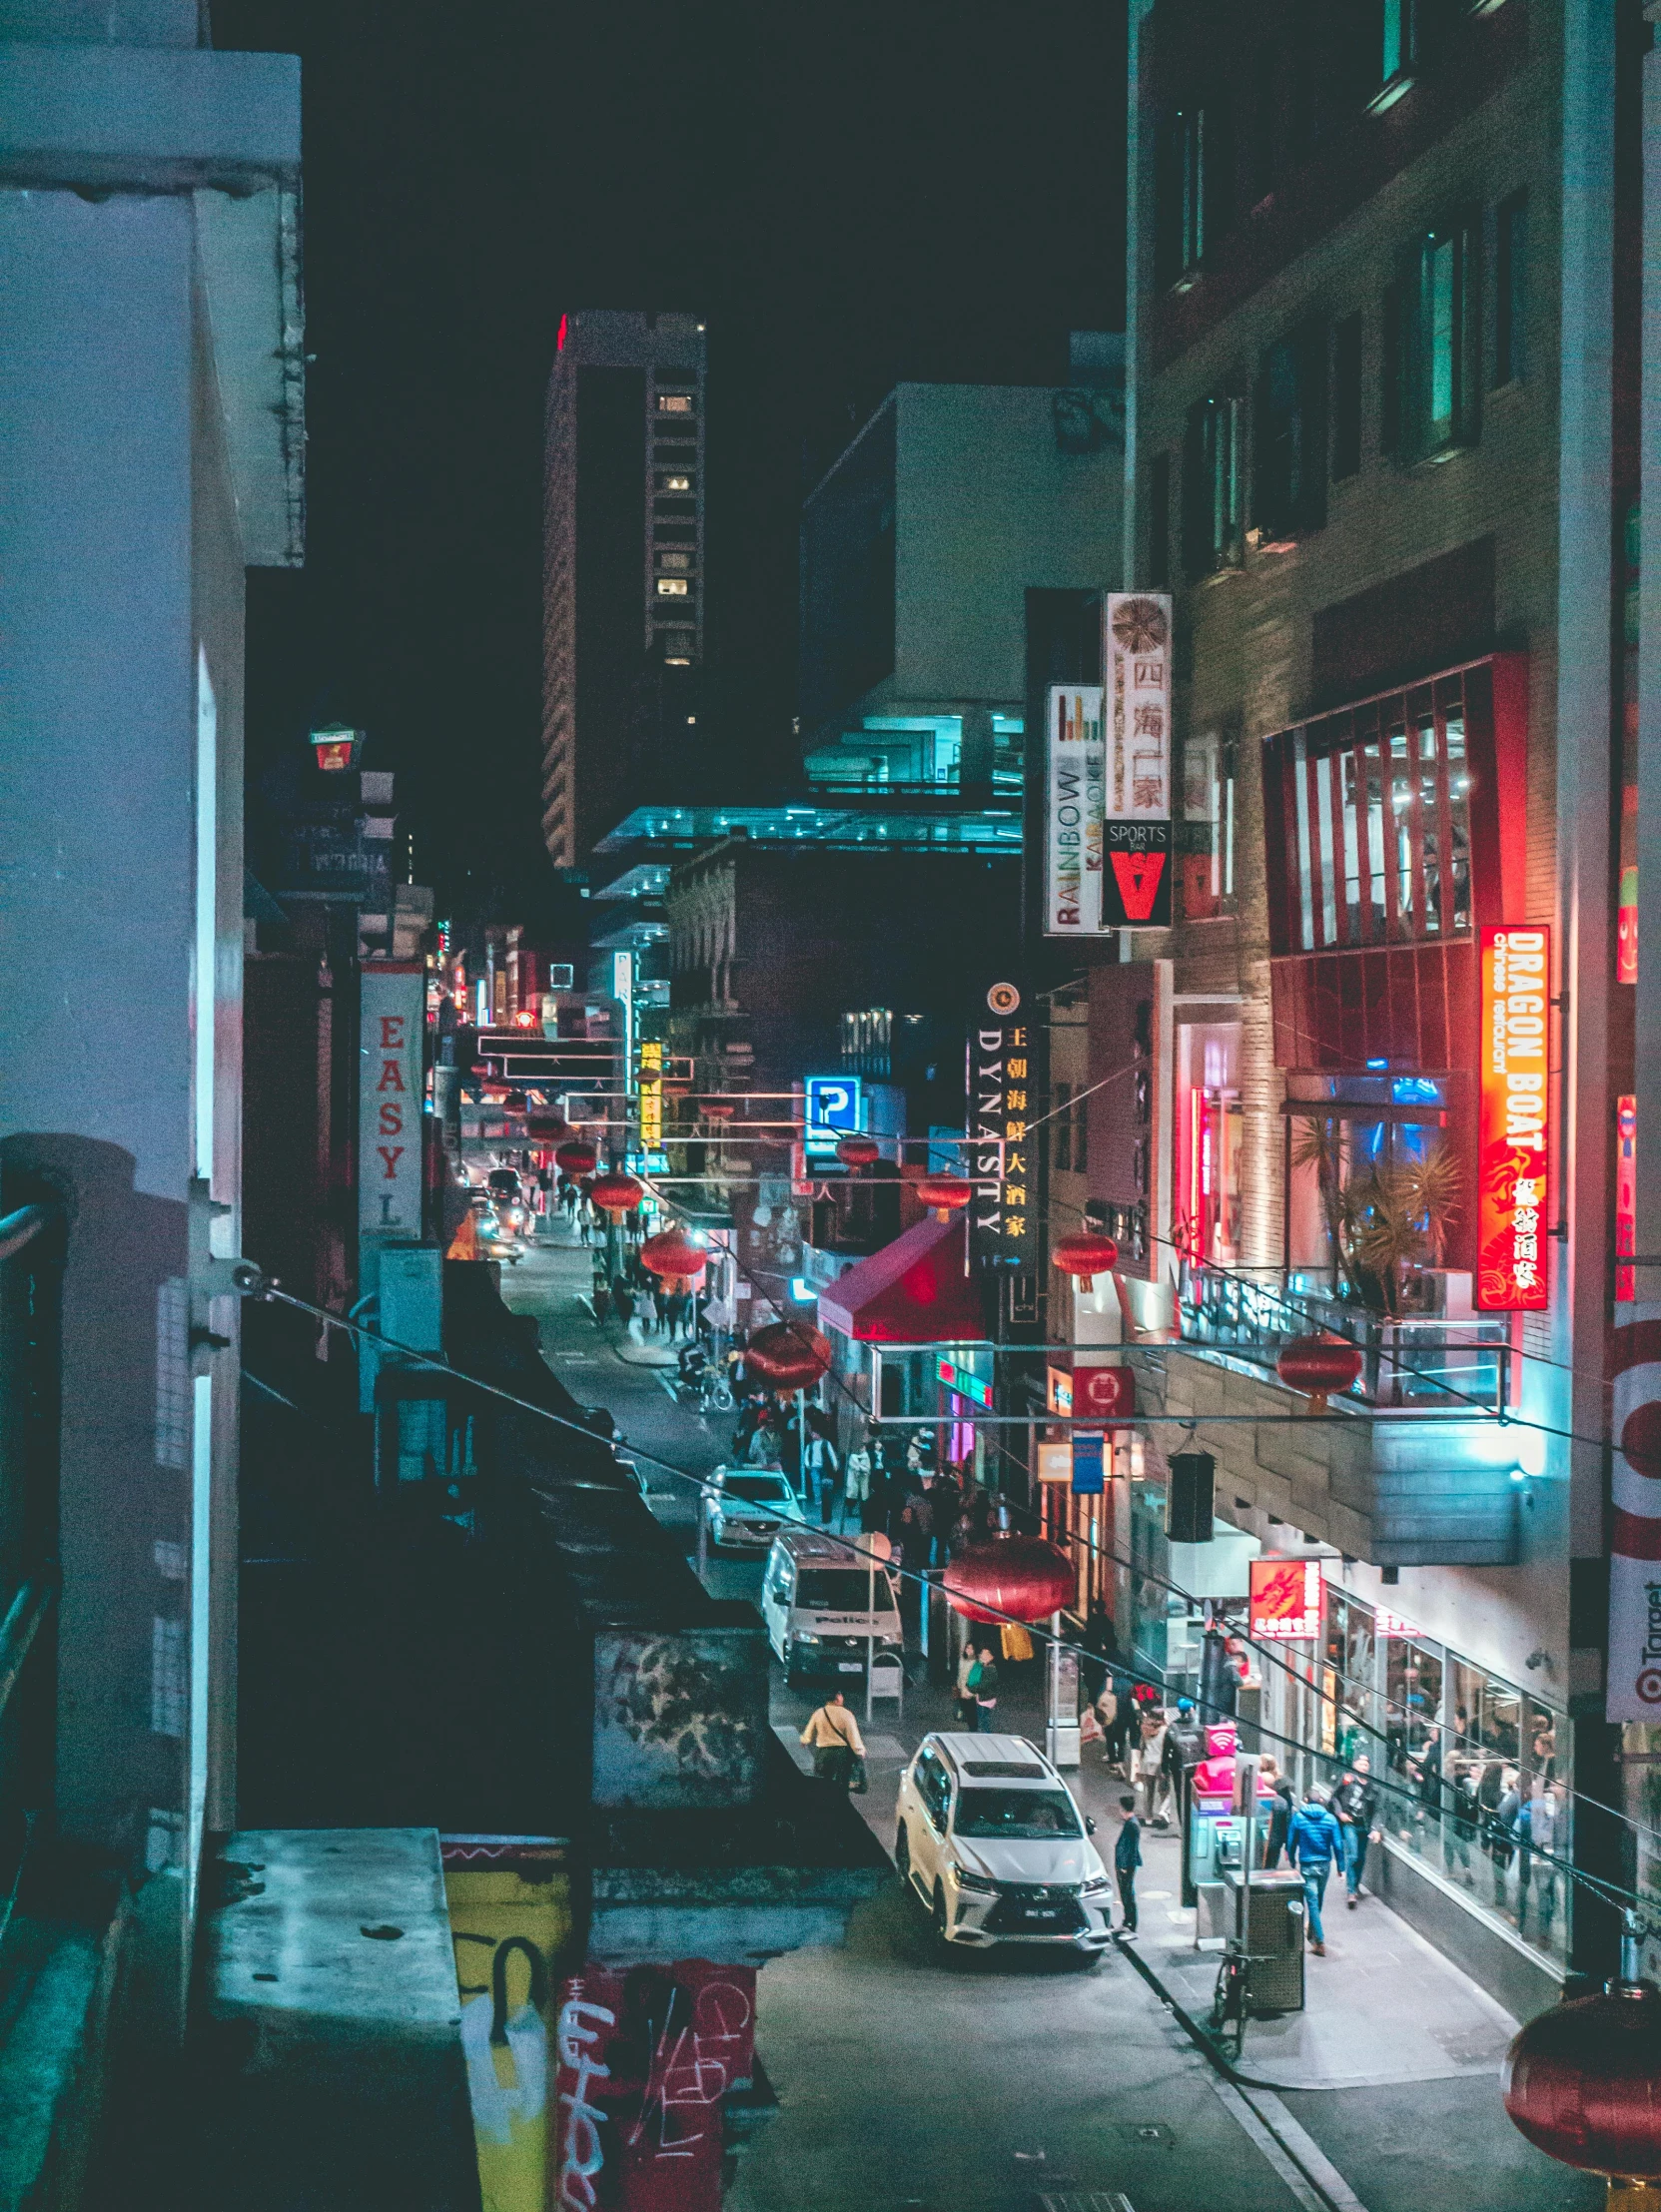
x=504, y=1230
x=827, y=1611
x=991, y=1843
x=744, y=1507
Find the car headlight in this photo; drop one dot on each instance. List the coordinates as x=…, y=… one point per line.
x=799, y=1638
x=967, y=1881
x=1097, y=1886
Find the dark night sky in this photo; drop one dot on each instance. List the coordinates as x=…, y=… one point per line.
x=850, y=194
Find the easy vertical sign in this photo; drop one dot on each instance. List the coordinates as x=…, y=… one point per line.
x=1075, y=793
x=1136, y=843
x=390, y=1026
x=1514, y=1173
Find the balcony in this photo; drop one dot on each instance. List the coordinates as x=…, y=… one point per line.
x=1417, y=1466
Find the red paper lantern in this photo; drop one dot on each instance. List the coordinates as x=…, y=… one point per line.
x=1085, y=1256
x=1584, y=2083
x=616, y=1195
x=576, y=1160
x=549, y=1129
x=788, y=1354
x=1319, y=1366
x=718, y=1109
x=858, y=1151
x=1019, y=1576
x=945, y=1195
x=673, y=1255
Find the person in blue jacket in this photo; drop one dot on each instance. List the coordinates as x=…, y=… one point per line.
x=1314, y=1844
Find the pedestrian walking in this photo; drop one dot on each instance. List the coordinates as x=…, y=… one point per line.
x=1314, y=1844
x=1116, y=1749
x=1491, y=1794
x=1148, y=1769
x=823, y=1469
x=856, y=1479
x=832, y=1734
x=645, y=1307
x=1356, y=1806
x=1127, y=1857
x=1464, y=1824
x=622, y=1304
x=986, y=1692
x=1101, y=1642
x=968, y=1674
x=1279, y=1811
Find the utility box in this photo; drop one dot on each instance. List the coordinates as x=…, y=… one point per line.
x=1275, y=1932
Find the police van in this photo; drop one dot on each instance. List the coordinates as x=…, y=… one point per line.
x=827, y=1608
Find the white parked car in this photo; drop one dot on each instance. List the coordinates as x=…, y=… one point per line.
x=992, y=1841
x=744, y=1507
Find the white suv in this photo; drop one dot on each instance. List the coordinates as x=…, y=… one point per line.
x=992, y=1841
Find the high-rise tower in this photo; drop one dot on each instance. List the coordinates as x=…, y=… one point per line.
x=622, y=610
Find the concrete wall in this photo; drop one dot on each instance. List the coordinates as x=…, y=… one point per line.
x=985, y=505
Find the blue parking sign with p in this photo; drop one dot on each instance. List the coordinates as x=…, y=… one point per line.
x=832, y=1109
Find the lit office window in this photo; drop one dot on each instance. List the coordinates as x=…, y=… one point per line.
x=673, y=588
x=1435, y=330
x=674, y=402
x=675, y=481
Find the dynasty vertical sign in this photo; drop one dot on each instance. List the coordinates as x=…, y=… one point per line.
x=390, y=1020
x=1136, y=667
x=1513, y=1131
x=1075, y=793
x=1007, y=1080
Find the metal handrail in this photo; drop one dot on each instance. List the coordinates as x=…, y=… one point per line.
x=18, y=1632
x=22, y=1228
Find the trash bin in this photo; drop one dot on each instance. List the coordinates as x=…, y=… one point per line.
x=1273, y=1936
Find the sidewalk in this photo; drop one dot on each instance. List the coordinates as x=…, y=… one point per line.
x=1381, y=2009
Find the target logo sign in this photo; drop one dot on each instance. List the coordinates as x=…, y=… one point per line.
x=1635, y=1535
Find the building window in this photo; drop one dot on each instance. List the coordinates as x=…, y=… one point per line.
x=1511, y=288
x=1158, y=524
x=1008, y=754
x=1346, y=397
x=1081, y=1136
x=1180, y=196
x=1061, y=1143
x=1210, y=1121
x=673, y=588
x=1378, y=805
x=1208, y=859
x=674, y=561
x=1437, y=330
x=1289, y=486
x=1214, y=494
x=674, y=402
x=674, y=480
x=1397, y=49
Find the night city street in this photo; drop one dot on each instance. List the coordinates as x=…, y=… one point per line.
x=830, y=1363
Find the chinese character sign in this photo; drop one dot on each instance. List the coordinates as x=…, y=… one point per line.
x=1284, y=1598
x=390, y=1031
x=1008, y=1079
x=652, y=1095
x=1137, y=845
x=1513, y=1133
x=1074, y=808
x=644, y=2063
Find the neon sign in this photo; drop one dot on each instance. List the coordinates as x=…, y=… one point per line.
x=1513, y=1127
x=1284, y=1598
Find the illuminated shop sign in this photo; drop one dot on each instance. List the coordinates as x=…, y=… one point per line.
x=391, y=1029
x=1007, y=1076
x=964, y=1383
x=1076, y=791
x=833, y=1111
x=1626, y=1194
x=1136, y=663
x=652, y=1095
x=1284, y=1598
x=1513, y=1132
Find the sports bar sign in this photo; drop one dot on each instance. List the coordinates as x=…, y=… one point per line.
x=1513, y=1124
x=1136, y=668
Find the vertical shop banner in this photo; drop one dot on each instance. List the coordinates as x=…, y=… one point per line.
x=1008, y=1079
x=1626, y=1197
x=1075, y=805
x=644, y=2061
x=652, y=1099
x=391, y=1088
x=1634, y=1679
x=1136, y=839
x=1513, y=1121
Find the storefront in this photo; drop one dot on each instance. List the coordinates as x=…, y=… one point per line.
x=1477, y=1771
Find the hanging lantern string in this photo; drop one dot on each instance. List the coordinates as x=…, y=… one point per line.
x=1609, y=1891
x=1267, y=1649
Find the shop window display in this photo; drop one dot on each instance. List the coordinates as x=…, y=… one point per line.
x=1210, y=1121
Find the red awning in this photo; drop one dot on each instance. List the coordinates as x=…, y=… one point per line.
x=914, y=1291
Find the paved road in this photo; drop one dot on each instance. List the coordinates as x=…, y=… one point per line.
x=986, y=2084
